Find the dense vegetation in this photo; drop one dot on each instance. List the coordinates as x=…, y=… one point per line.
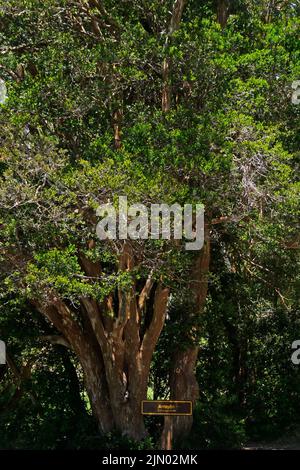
x=162, y=101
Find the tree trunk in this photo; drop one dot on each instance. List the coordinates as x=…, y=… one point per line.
x=96, y=389
x=183, y=382
x=177, y=12
x=88, y=355
x=223, y=12
x=183, y=386
x=114, y=354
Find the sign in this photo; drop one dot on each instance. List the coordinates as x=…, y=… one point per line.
x=167, y=407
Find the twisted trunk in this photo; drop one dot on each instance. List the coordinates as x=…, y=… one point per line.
x=114, y=354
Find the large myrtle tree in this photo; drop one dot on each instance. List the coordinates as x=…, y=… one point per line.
x=161, y=102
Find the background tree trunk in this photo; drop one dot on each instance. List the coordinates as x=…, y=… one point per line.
x=177, y=12
x=223, y=12
x=183, y=382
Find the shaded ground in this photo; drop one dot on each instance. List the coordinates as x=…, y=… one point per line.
x=287, y=442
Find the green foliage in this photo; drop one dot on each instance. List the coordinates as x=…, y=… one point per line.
x=229, y=141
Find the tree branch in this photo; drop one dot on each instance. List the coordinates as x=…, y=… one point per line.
x=55, y=339
x=177, y=12
x=159, y=314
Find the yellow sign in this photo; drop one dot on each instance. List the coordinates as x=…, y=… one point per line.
x=167, y=407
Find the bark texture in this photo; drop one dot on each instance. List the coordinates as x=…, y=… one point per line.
x=223, y=12
x=183, y=382
x=113, y=346
x=177, y=12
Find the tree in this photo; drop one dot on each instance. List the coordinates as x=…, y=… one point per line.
x=157, y=102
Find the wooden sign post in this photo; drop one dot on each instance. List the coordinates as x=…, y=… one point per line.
x=167, y=408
